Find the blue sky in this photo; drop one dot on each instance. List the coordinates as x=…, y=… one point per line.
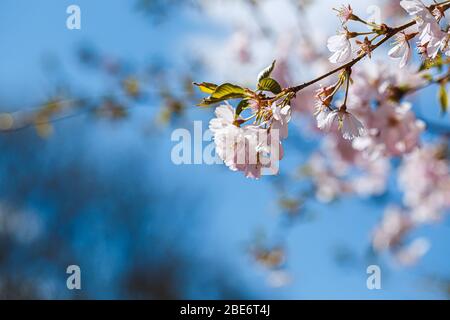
x=231, y=208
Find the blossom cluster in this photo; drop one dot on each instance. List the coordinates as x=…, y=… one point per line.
x=432, y=38
x=255, y=147
x=362, y=106
x=346, y=46
x=250, y=148
x=432, y=32
x=424, y=179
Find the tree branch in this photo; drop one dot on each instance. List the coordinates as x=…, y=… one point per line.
x=390, y=33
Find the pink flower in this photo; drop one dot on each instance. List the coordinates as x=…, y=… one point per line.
x=345, y=13
x=424, y=178
x=327, y=182
x=391, y=230
x=393, y=130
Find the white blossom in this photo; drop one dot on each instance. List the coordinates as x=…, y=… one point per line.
x=401, y=50
x=281, y=118
x=347, y=123
x=341, y=47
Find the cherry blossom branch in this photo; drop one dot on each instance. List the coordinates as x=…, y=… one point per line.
x=389, y=34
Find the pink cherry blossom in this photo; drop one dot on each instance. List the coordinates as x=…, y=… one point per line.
x=345, y=13
x=424, y=178
x=393, y=130
x=391, y=230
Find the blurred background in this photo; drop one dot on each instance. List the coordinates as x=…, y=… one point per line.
x=86, y=175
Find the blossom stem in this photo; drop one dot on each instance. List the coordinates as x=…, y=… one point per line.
x=363, y=33
x=370, y=24
x=348, y=74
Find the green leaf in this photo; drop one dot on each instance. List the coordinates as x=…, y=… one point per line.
x=269, y=84
x=443, y=97
x=210, y=101
x=228, y=91
x=223, y=92
x=266, y=72
x=206, y=87
x=241, y=107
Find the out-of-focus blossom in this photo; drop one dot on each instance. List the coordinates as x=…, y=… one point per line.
x=327, y=182
x=374, y=178
x=391, y=230
x=375, y=83
x=390, y=235
x=279, y=279
x=393, y=130
x=425, y=180
x=333, y=171
x=409, y=255
x=23, y=226
x=240, y=45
